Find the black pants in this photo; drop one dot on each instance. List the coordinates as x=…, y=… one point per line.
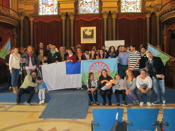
x=93, y=95
x=107, y=93
x=118, y=93
x=29, y=90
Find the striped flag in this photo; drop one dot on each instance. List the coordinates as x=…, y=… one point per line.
x=5, y=50
x=62, y=75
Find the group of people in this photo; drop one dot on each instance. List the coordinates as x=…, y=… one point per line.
x=138, y=72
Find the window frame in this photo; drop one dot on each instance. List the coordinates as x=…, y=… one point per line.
x=47, y=14
x=120, y=4
x=78, y=11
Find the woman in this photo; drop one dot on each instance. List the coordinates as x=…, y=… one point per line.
x=14, y=67
x=130, y=82
x=92, y=54
x=111, y=52
x=92, y=89
x=30, y=59
x=103, y=80
x=102, y=54
x=71, y=57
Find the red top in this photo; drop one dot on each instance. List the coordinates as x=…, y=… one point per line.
x=72, y=58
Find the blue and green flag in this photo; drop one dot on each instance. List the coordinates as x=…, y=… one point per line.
x=156, y=52
x=5, y=50
x=96, y=66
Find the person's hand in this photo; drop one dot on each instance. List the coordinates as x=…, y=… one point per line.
x=10, y=70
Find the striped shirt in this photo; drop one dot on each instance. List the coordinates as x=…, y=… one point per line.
x=133, y=58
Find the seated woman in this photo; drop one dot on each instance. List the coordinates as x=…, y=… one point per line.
x=119, y=89
x=92, y=89
x=130, y=83
x=103, y=80
x=144, y=87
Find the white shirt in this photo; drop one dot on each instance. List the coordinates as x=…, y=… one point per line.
x=140, y=82
x=14, y=61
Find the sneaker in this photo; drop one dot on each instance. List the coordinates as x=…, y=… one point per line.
x=149, y=104
x=141, y=103
x=97, y=103
x=163, y=103
x=118, y=104
x=125, y=103
x=27, y=104
x=110, y=104
x=40, y=102
x=156, y=102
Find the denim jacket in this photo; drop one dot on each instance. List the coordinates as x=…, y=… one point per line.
x=33, y=58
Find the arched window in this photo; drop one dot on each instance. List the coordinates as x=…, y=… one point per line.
x=88, y=6
x=48, y=7
x=131, y=6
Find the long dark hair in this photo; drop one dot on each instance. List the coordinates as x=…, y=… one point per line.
x=89, y=80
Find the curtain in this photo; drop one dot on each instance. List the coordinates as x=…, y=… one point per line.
x=47, y=30
x=132, y=29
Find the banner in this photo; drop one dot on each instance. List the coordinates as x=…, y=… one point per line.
x=96, y=66
x=5, y=50
x=156, y=52
x=62, y=75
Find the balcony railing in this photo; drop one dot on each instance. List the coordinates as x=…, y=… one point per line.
x=6, y=11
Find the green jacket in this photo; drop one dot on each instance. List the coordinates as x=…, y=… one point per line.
x=28, y=82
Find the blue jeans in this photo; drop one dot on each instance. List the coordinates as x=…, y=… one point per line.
x=15, y=77
x=159, y=88
x=122, y=69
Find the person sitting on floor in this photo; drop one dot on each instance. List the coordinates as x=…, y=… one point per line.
x=144, y=87
x=92, y=89
x=27, y=87
x=41, y=90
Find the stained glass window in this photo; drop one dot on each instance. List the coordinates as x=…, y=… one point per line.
x=88, y=6
x=132, y=6
x=48, y=7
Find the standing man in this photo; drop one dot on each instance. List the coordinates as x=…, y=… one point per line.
x=122, y=62
x=156, y=70
x=134, y=59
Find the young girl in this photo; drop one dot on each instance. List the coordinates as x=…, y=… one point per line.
x=119, y=89
x=41, y=90
x=92, y=89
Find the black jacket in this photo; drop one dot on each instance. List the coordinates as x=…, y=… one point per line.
x=157, y=66
x=53, y=58
x=143, y=61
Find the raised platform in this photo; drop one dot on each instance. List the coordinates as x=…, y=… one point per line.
x=11, y=98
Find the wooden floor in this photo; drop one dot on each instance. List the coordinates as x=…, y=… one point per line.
x=26, y=118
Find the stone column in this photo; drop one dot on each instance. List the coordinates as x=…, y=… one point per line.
x=63, y=17
x=105, y=16
x=31, y=31
x=72, y=28
x=114, y=25
x=21, y=30
x=158, y=27
x=148, y=27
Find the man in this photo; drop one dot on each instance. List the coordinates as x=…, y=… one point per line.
x=156, y=70
x=144, y=87
x=143, y=59
x=134, y=59
x=27, y=87
x=122, y=61
x=53, y=55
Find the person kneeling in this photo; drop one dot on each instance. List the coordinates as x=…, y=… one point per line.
x=41, y=90
x=27, y=87
x=144, y=87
